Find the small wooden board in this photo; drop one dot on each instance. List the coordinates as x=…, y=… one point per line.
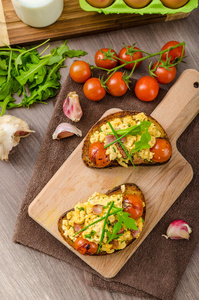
x=74, y=182
x=74, y=22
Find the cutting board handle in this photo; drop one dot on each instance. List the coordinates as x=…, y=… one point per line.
x=180, y=105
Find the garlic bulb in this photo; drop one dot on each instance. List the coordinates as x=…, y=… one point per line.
x=178, y=229
x=64, y=130
x=11, y=130
x=72, y=108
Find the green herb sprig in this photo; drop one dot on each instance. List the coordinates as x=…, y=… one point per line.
x=143, y=143
x=104, y=225
x=134, y=130
x=123, y=218
x=121, y=144
x=34, y=76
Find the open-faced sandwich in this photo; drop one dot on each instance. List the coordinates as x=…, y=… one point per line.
x=105, y=223
x=126, y=138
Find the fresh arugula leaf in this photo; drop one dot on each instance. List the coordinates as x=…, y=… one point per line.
x=4, y=104
x=75, y=53
x=36, y=75
x=126, y=220
x=3, y=64
x=30, y=73
x=2, y=79
x=5, y=89
x=3, y=72
x=116, y=228
x=143, y=143
x=136, y=129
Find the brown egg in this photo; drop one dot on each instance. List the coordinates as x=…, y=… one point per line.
x=174, y=3
x=100, y=3
x=137, y=3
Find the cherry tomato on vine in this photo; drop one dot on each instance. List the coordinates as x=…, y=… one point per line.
x=97, y=154
x=174, y=53
x=106, y=63
x=84, y=246
x=163, y=75
x=162, y=150
x=93, y=89
x=128, y=58
x=133, y=205
x=80, y=71
x=146, y=88
x=116, y=85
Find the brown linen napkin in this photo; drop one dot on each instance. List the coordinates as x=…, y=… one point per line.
x=157, y=266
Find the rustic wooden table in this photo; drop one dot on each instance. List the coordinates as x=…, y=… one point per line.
x=28, y=274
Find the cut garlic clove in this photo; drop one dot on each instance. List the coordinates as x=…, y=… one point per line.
x=11, y=130
x=177, y=230
x=64, y=130
x=72, y=108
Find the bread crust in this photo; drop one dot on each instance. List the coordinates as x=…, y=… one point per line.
x=109, y=118
x=130, y=188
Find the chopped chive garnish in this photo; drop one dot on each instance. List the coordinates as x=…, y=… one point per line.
x=102, y=218
x=121, y=144
x=103, y=229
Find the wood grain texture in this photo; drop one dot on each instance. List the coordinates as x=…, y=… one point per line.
x=27, y=274
x=3, y=27
x=62, y=192
x=73, y=22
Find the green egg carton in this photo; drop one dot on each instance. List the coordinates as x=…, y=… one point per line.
x=154, y=7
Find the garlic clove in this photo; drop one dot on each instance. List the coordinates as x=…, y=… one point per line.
x=11, y=130
x=72, y=108
x=64, y=130
x=178, y=229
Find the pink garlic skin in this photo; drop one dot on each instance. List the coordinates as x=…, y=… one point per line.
x=177, y=230
x=72, y=108
x=64, y=130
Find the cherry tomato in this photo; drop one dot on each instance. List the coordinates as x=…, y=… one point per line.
x=174, y=3
x=174, y=53
x=100, y=3
x=105, y=63
x=116, y=85
x=80, y=71
x=83, y=246
x=97, y=154
x=133, y=205
x=128, y=57
x=93, y=89
x=163, y=75
x=146, y=88
x=162, y=150
x=137, y=3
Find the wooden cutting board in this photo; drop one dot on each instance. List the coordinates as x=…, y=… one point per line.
x=73, y=22
x=161, y=185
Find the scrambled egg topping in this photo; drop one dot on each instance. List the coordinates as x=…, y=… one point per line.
x=83, y=215
x=129, y=143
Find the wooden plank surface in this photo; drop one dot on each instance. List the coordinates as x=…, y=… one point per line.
x=28, y=274
x=73, y=22
x=160, y=192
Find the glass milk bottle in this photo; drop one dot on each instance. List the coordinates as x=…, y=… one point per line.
x=38, y=13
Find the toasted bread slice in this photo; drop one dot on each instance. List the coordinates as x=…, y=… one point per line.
x=122, y=116
x=67, y=230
